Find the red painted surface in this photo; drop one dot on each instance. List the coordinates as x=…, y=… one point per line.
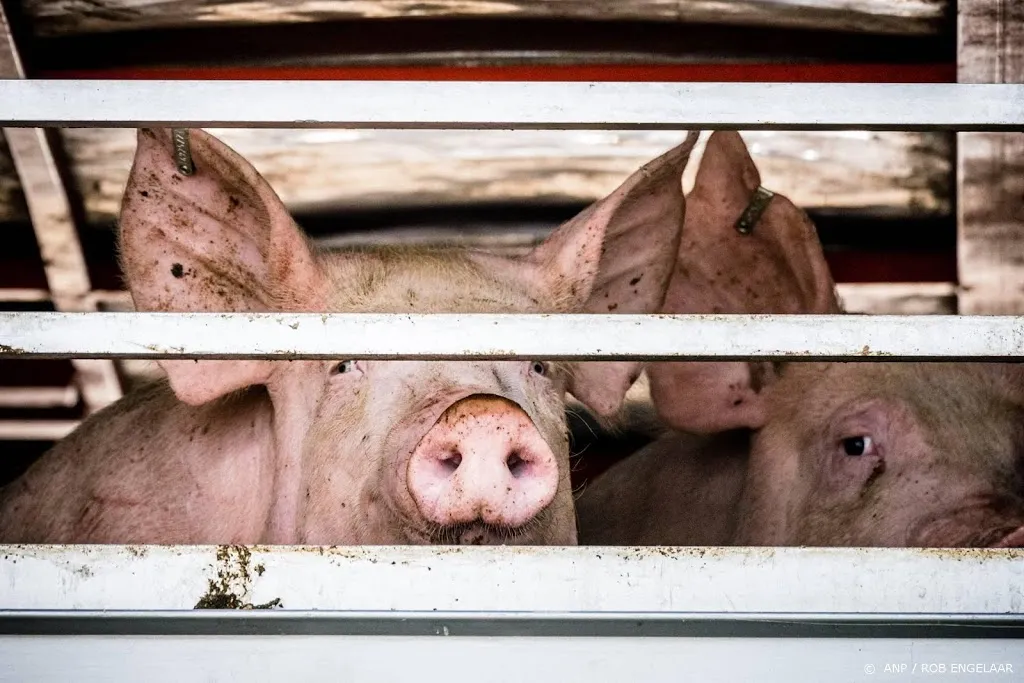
x=773, y=73
x=892, y=266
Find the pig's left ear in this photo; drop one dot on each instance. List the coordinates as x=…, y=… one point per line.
x=218, y=240
x=617, y=256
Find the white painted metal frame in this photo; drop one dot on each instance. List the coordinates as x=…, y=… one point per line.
x=497, y=614
x=517, y=581
x=532, y=105
x=560, y=614
x=53, y=221
x=507, y=336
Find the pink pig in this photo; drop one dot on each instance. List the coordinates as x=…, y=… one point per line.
x=342, y=452
x=820, y=454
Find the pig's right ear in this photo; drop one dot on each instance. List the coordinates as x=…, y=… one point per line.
x=778, y=267
x=219, y=240
x=617, y=257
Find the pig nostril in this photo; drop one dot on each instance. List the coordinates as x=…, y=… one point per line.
x=515, y=464
x=452, y=462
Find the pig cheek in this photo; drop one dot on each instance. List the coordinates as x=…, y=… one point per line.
x=849, y=478
x=337, y=457
x=776, y=481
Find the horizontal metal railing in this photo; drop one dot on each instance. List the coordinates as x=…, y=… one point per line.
x=490, y=105
x=793, y=614
x=484, y=336
x=602, y=581
x=497, y=614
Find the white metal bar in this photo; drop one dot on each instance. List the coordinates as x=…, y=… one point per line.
x=597, y=581
x=88, y=613
x=53, y=222
x=566, y=337
x=489, y=105
x=327, y=659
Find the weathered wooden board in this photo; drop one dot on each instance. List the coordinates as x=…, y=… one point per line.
x=11, y=198
x=991, y=166
x=47, y=198
x=53, y=17
x=12, y=201
x=917, y=298
x=895, y=173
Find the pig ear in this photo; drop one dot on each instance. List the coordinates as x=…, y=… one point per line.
x=778, y=267
x=219, y=240
x=617, y=257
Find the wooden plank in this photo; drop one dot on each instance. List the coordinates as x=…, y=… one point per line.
x=12, y=201
x=53, y=220
x=36, y=430
x=38, y=397
x=991, y=166
x=66, y=272
x=891, y=172
x=883, y=298
x=55, y=17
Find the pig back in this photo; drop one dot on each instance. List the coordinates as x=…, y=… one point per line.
x=150, y=469
x=679, y=490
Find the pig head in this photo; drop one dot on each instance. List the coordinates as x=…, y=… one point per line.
x=349, y=451
x=888, y=454
x=838, y=454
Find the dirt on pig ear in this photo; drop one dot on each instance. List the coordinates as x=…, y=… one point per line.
x=779, y=267
x=219, y=240
x=617, y=257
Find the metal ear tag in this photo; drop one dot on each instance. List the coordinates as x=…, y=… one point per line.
x=752, y=214
x=182, y=151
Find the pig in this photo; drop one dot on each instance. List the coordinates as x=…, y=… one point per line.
x=864, y=454
x=342, y=451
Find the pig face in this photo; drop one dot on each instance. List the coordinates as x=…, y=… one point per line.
x=398, y=451
x=887, y=454
x=842, y=454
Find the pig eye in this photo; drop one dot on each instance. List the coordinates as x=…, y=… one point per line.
x=343, y=367
x=858, y=445
x=539, y=368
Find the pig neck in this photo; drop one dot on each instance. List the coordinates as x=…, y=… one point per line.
x=714, y=470
x=679, y=490
x=293, y=411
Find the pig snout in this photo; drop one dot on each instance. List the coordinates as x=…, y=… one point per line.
x=483, y=460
